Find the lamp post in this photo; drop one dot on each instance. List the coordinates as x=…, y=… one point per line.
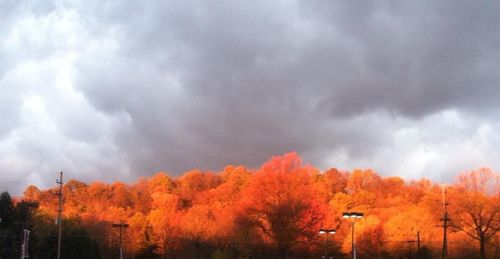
x=353, y=216
x=327, y=232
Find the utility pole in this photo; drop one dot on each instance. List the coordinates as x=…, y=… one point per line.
x=59, y=214
x=120, y=226
x=418, y=245
x=445, y=220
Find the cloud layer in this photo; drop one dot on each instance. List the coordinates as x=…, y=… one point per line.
x=118, y=90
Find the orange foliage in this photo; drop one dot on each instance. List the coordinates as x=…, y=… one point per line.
x=282, y=205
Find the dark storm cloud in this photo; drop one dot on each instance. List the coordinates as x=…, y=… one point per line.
x=242, y=87
x=226, y=82
x=174, y=85
x=418, y=57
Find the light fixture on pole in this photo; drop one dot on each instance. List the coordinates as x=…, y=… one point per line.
x=327, y=232
x=353, y=216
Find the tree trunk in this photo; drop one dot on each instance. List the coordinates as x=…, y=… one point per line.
x=283, y=251
x=481, y=247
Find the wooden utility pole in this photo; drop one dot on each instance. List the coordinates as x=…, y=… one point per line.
x=59, y=214
x=445, y=220
x=120, y=226
x=418, y=245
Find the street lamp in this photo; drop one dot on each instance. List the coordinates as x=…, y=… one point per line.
x=353, y=216
x=327, y=232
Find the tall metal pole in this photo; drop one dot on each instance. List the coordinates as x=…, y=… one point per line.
x=353, y=244
x=328, y=232
x=326, y=246
x=352, y=216
x=59, y=215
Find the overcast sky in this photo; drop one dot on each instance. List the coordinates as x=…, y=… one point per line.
x=115, y=90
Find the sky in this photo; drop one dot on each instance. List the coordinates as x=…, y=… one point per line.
x=115, y=90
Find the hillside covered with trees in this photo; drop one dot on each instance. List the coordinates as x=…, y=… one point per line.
x=275, y=211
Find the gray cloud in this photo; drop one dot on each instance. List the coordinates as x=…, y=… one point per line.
x=172, y=85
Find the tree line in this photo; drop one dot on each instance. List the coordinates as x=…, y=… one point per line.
x=275, y=211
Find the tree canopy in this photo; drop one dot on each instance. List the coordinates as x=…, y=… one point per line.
x=275, y=211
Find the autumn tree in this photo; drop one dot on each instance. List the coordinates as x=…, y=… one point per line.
x=74, y=193
x=282, y=204
x=476, y=206
x=193, y=183
x=330, y=182
x=32, y=193
x=164, y=219
x=277, y=208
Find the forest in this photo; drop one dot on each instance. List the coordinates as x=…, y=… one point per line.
x=275, y=211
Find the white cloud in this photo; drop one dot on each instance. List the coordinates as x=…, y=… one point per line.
x=439, y=146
